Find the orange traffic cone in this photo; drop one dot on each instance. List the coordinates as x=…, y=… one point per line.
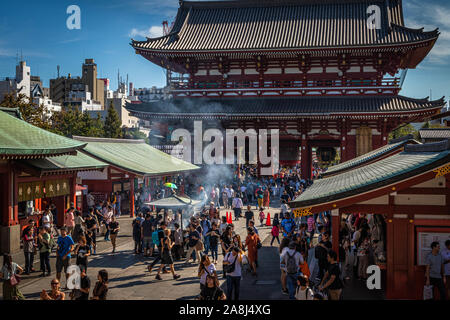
x=230, y=218
x=227, y=216
x=268, y=223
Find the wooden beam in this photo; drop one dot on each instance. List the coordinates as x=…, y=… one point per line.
x=397, y=209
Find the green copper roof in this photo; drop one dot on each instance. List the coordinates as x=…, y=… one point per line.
x=135, y=156
x=78, y=162
x=375, y=175
x=19, y=139
x=368, y=157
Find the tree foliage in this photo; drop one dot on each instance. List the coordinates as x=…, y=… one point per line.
x=134, y=133
x=403, y=131
x=31, y=112
x=113, y=125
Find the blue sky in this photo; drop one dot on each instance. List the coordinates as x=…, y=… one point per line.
x=38, y=30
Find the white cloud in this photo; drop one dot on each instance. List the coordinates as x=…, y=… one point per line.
x=152, y=32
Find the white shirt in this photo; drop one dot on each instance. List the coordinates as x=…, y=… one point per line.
x=211, y=268
x=238, y=268
x=306, y=294
x=237, y=203
x=46, y=221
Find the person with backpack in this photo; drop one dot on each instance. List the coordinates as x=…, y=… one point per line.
x=333, y=277
x=292, y=260
x=303, y=292
x=233, y=272
x=157, y=237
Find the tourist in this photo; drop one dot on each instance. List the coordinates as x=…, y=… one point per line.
x=28, y=249
x=446, y=256
x=146, y=236
x=237, y=206
x=225, y=197
x=114, y=231
x=249, y=215
x=283, y=248
x=82, y=252
x=223, y=225
x=284, y=208
x=266, y=198
x=178, y=244
x=69, y=220
x=288, y=226
x=85, y=286
x=206, y=268
x=101, y=286
x=63, y=253
x=275, y=234
x=166, y=255
x=434, y=273
x=107, y=216
x=260, y=196
x=158, y=240
x=10, y=275
x=91, y=229
x=233, y=272
x=303, y=292
x=47, y=219
x=320, y=252
x=332, y=277
x=252, y=225
x=78, y=229
x=44, y=251
x=292, y=260
x=262, y=217
x=193, y=239
x=214, y=238
x=276, y=221
x=55, y=292
x=251, y=243
x=206, y=228
x=363, y=258
x=212, y=291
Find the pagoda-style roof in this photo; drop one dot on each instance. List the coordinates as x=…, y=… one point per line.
x=134, y=156
x=284, y=108
x=435, y=133
x=394, y=146
x=416, y=160
x=203, y=27
x=21, y=140
x=63, y=164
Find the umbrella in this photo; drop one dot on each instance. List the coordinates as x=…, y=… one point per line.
x=170, y=185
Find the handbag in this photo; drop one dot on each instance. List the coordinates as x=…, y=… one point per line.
x=229, y=268
x=14, y=280
x=199, y=245
x=427, y=292
x=259, y=245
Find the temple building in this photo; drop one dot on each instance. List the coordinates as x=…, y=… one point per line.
x=318, y=71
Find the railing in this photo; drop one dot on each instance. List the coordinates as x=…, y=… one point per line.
x=288, y=84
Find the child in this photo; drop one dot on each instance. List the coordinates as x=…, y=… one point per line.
x=275, y=233
x=262, y=216
x=303, y=291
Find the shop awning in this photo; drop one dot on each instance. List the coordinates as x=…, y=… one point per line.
x=135, y=156
x=21, y=140
x=67, y=163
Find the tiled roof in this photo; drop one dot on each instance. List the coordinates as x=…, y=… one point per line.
x=134, y=156
x=288, y=106
x=264, y=25
x=415, y=160
x=438, y=133
x=21, y=140
x=79, y=162
x=369, y=157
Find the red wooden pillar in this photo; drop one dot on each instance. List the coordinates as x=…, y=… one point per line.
x=73, y=191
x=306, y=158
x=132, y=196
x=335, y=226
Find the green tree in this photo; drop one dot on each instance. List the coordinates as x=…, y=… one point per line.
x=134, y=133
x=403, y=131
x=31, y=112
x=113, y=125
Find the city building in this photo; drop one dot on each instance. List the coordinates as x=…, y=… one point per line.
x=62, y=88
x=21, y=84
x=80, y=96
x=118, y=102
x=327, y=82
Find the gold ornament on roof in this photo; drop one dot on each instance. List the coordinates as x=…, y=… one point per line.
x=303, y=212
x=443, y=171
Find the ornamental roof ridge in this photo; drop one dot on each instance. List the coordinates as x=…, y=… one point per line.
x=108, y=140
x=440, y=146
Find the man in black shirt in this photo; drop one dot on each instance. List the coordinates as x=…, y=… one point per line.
x=158, y=257
x=91, y=225
x=249, y=215
x=334, y=283
x=321, y=254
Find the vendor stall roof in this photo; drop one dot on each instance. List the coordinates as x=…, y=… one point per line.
x=21, y=140
x=174, y=201
x=134, y=156
x=67, y=163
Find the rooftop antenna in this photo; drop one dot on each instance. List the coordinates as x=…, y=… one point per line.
x=58, y=69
